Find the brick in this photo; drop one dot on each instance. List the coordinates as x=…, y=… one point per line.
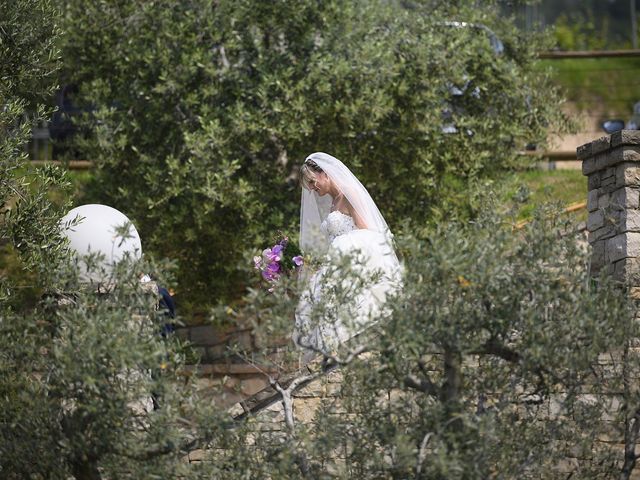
x=216, y=352
x=605, y=159
x=182, y=333
x=625, y=153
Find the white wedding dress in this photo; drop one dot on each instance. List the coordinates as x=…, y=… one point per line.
x=349, y=290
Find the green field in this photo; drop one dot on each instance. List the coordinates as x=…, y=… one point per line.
x=563, y=187
x=607, y=85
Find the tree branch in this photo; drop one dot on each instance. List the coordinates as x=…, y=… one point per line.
x=422, y=453
x=421, y=384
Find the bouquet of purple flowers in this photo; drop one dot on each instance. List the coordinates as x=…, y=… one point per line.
x=282, y=258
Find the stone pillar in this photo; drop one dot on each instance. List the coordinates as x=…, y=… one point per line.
x=612, y=165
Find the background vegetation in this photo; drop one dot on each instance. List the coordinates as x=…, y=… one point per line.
x=203, y=111
x=200, y=114
x=607, y=86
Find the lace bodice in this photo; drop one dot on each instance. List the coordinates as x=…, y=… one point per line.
x=336, y=224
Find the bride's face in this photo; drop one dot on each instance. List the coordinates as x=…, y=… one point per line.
x=321, y=184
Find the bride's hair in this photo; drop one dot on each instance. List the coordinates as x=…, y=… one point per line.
x=308, y=173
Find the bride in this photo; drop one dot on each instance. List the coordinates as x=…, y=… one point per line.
x=341, y=226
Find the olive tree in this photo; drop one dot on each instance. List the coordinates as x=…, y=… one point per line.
x=202, y=111
x=89, y=388
x=502, y=358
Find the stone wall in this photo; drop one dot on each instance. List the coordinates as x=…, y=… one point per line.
x=612, y=165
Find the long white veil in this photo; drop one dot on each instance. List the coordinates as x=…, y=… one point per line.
x=314, y=208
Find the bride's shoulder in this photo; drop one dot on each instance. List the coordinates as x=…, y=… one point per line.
x=342, y=205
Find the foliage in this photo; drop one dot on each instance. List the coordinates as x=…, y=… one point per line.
x=562, y=187
x=79, y=368
x=594, y=26
x=492, y=365
x=91, y=389
x=609, y=83
x=203, y=111
x=579, y=32
x=28, y=62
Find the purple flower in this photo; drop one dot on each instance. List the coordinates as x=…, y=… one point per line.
x=277, y=250
x=298, y=260
x=274, y=267
x=267, y=275
x=271, y=272
x=272, y=254
x=257, y=261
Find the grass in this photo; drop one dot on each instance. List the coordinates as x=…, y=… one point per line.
x=563, y=187
x=611, y=84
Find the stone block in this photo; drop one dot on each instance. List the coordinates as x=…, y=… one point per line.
x=597, y=255
x=182, y=333
x=626, y=198
x=603, y=233
x=204, y=335
x=629, y=221
x=316, y=388
x=595, y=220
x=216, y=352
x=592, y=200
x=601, y=144
x=605, y=159
x=622, y=246
x=272, y=413
x=604, y=200
x=593, y=181
x=627, y=270
x=609, y=267
x=625, y=137
x=333, y=390
x=608, y=181
x=304, y=409
x=628, y=174
x=251, y=386
x=608, y=173
x=625, y=153
x=589, y=166
x=583, y=151
x=242, y=341
x=196, y=456
x=236, y=410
